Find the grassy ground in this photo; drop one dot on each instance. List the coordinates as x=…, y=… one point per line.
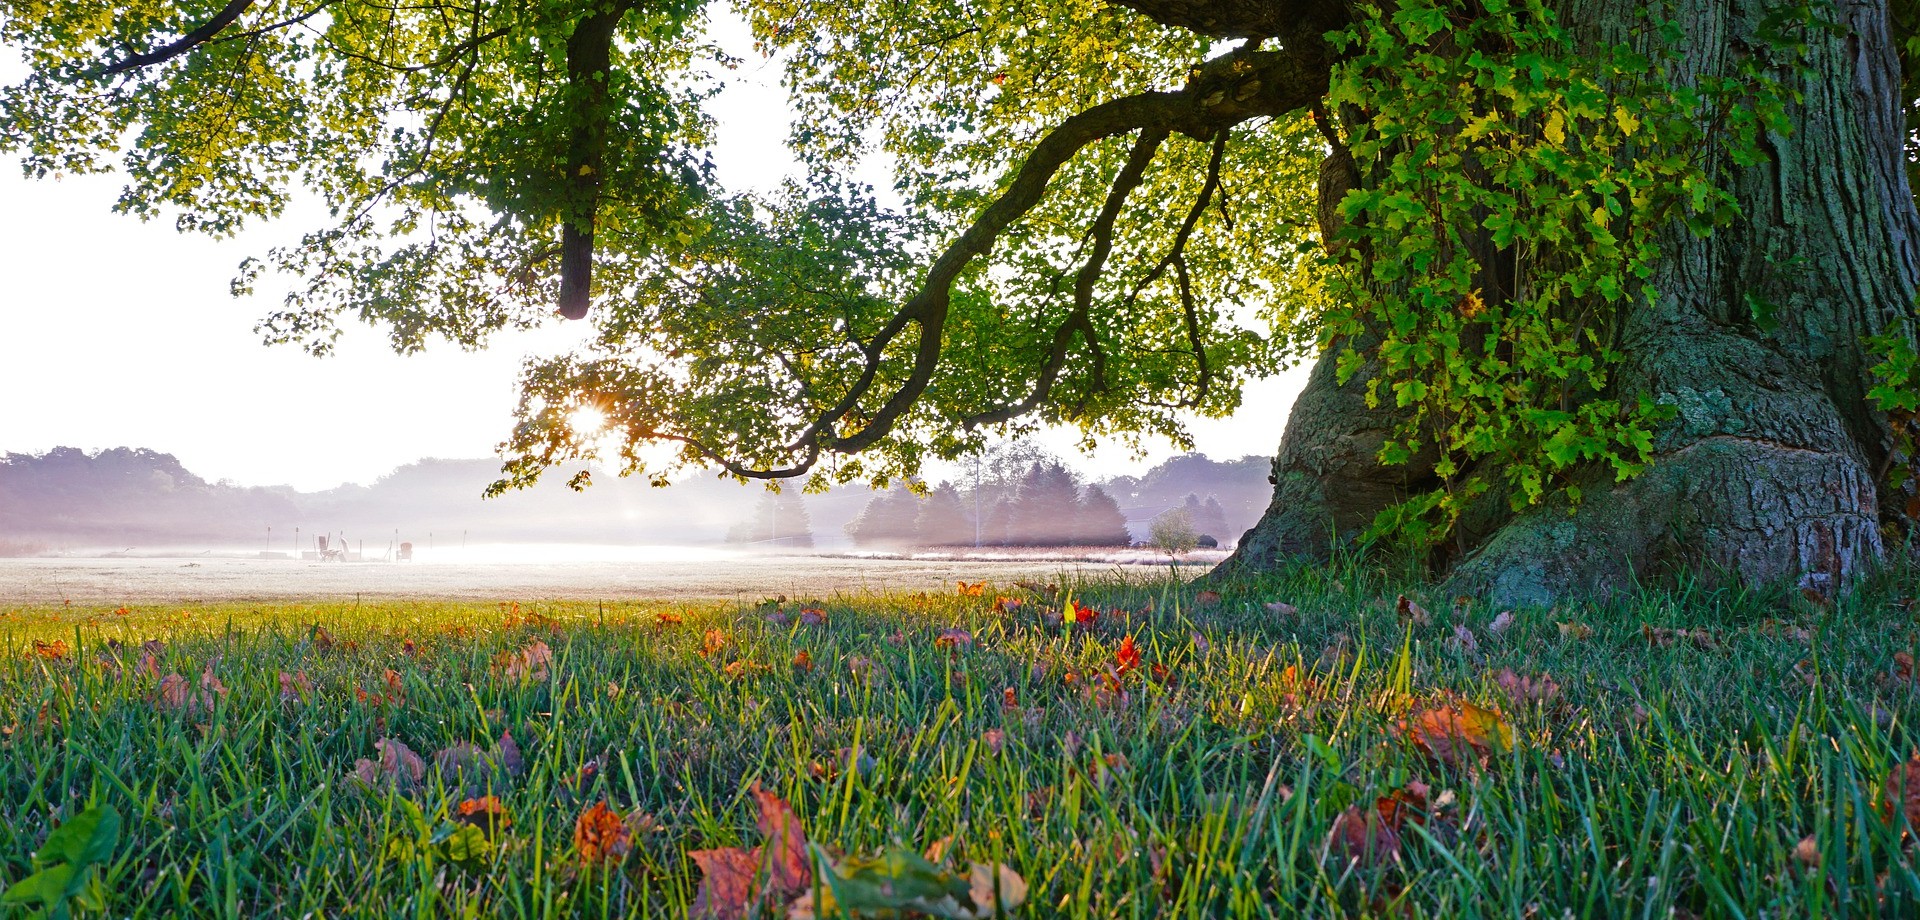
x=1341, y=759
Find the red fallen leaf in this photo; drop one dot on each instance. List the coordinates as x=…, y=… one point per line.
x=1008, y=700
x=1371, y=836
x=1127, y=656
x=1206, y=599
x=665, y=620
x=1410, y=612
x=736, y=882
x=1901, y=793
x=601, y=835
x=974, y=589
x=954, y=639
x=802, y=661
x=1084, y=616
x=121, y=611
x=786, y=846
x=485, y=813
x=54, y=651
x=1162, y=674
x=813, y=616
x=1459, y=734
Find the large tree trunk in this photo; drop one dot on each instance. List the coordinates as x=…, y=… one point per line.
x=1773, y=469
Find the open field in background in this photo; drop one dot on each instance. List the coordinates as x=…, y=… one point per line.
x=1120, y=749
x=547, y=572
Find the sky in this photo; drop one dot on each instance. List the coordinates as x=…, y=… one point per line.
x=115, y=332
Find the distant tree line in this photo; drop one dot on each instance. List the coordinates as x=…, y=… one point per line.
x=1047, y=507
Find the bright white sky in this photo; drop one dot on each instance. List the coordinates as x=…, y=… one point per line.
x=118, y=333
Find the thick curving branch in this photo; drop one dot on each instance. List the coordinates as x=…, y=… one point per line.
x=200, y=35
x=1079, y=320
x=1223, y=92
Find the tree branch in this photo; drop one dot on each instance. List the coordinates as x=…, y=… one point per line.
x=205, y=31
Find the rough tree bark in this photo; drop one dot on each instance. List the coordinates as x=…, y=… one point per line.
x=1772, y=470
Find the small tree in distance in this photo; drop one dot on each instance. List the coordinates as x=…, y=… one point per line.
x=1172, y=533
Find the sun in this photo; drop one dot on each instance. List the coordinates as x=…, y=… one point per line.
x=587, y=421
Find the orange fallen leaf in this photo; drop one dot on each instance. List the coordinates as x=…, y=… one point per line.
x=54, y=651
x=601, y=835
x=1127, y=656
x=1457, y=734
x=714, y=641
x=1575, y=630
x=485, y=813
x=737, y=882
x=954, y=639
x=802, y=661
x=667, y=619
x=974, y=589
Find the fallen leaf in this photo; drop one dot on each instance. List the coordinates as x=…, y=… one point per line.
x=664, y=620
x=1575, y=630
x=1807, y=851
x=1524, y=691
x=601, y=835
x=1410, y=612
x=507, y=754
x=485, y=813
x=712, y=643
x=1083, y=616
x=726, y=882
x=954, y=639
x=295, y=687
x=1127, y=656
x=1281, y=608
x=802, y=662
x=1901, y=793
x=54, y=651
x=1463, y=639
x=1371, y=834
x=396, y=766
x=785, y=849
x=994, y=739
x=1007, y=604
x=974, y=589
x=1501, y=623
x=1206, y=599
x=1458, y=734
x=457, y=758
x=813, y=616
x=174, y=692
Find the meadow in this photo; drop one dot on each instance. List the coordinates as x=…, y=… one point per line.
x=1325, y=743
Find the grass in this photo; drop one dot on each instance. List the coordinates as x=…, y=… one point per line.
x=1659, y=779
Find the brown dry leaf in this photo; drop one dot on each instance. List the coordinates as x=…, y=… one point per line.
x=531, y=663
x=210, y=686
x=1371, y=835
x=174, y=692
x=396, y=685
x=1661, y=637
x=1903, y=667
x=295, y=687
x=1206, y=599
x=994, y=739
x=1501, y=623
x=507, y=754
x=726, y=882
x=1282, y=609
x=1458, y=734
x=1524, y=691
x=954, y=639
x=458, y=757
x=601, y=835
x=1575, y=630
x=1464, y=640
x=802, y=662
x=1901, y=794
x=790, y=871
x=397, y=766
x=1807, y=851
x=813, y=616
x=859, y=665
x=1411, y=613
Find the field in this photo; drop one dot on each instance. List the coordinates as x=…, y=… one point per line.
x=1308, y=745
